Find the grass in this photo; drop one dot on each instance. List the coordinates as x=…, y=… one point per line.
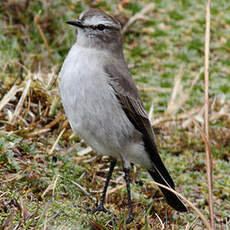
x=37, y=185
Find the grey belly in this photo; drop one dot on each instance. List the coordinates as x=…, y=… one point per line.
x=96, y=115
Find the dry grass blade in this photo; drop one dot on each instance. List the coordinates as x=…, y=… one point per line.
x=95, y=225
x=7, y=97
x=151, y=112
x=177, y=90
x=51, y=187
x=110, y=191
x=156, y=89
x=85, y=151
x=176, y=103
x=24, y=212
x=197, y=115
x=187, y=226
x=71, y=149
x=54, y=122
x=206, y=116
x=206, y=223
x=182, y=116
x=55, y=143
x=193, y=224
x=223, y=112
x=55, y=184
x=36, y=21
x=204, y=137
x=35, y=133
x=83, y=190
x=161, y=222
x=138, y=16
x=20, y=103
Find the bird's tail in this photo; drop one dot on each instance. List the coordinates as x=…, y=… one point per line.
x=172, y=199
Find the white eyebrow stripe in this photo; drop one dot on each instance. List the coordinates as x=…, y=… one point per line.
x=96, y=20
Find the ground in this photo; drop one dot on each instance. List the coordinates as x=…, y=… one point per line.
x=49, y=178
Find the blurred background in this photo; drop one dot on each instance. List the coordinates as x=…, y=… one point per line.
x=49, y=176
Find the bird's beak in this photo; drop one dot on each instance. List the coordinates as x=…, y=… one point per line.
x=76, y=23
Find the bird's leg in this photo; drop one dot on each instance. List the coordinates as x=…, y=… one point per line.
x=127, y=179
x=100, y=206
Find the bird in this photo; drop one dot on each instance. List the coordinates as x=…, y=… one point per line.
x=103, y=106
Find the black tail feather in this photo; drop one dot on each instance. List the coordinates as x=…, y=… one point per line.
x=173, y=200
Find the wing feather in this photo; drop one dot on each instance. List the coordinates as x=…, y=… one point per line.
x=131, y=103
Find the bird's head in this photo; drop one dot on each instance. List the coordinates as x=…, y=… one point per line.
x=98, y=30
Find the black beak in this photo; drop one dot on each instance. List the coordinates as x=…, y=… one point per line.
x=76, y=23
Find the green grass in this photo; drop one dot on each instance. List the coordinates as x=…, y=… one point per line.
x=156, y=49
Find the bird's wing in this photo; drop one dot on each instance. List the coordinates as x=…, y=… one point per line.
x=127, y=94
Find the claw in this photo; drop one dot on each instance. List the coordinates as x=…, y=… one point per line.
x=130, y=219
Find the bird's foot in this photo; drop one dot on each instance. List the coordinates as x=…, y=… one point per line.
x=101, y=208
x=130, y=218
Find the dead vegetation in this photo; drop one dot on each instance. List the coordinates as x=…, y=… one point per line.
x=49, y=177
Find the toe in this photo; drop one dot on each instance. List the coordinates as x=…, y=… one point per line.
x=130, y=219
x=100, y=208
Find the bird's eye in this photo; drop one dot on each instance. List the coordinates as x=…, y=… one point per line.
x=101, y=27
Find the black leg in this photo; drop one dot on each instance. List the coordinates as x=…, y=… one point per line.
x=127, y=179
x=100, y=207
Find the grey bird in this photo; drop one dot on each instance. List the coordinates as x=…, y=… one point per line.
x=103, y=107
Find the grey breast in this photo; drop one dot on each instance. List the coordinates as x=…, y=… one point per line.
x=90, y=102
